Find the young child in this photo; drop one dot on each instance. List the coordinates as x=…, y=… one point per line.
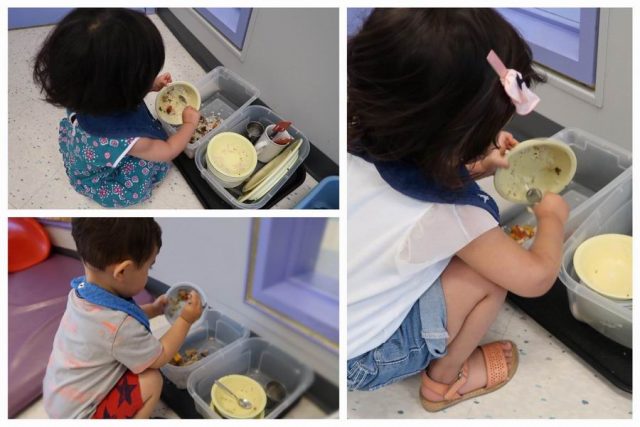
x=99, y=64
x=429, y=265
x=104, y=362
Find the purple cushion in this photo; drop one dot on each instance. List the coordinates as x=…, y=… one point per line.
x=37, y=299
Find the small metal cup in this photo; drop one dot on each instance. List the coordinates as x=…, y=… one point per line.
x=254, y=130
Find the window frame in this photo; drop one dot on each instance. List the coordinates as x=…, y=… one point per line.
x=582, y=69
x=237, y=38
x=280, y=277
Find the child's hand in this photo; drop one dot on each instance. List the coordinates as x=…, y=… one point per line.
x=159, y=305
x=495, y=158
x=192, y=309
x=161, y=81
x=552, y=205
x=190, y=116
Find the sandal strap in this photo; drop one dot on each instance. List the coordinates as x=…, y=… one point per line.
x=495, y=363
x=447, y=391
x=452, y=393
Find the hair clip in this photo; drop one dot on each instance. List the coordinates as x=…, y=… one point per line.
x=521, y=96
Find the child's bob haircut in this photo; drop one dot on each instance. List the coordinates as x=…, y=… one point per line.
x=99, y=61
x=106, y=241
x=421, y=90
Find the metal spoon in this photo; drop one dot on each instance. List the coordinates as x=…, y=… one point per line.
x=244, y=403
x=533, y=195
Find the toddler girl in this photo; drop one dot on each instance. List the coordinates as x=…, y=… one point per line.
x=428, y=264
x=99, y=64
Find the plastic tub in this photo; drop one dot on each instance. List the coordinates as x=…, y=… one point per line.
x=325, y=195
x=253, y=113
x=257, y=359
x=612, y=318
x=224, y=93
x=599, y=169
x=217, y=333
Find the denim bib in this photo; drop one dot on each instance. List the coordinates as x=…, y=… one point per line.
x=96, y=295
x=408, y=179
x=128, y=124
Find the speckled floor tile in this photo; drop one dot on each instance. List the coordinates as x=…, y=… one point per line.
x=551, y=382
x=36, y=173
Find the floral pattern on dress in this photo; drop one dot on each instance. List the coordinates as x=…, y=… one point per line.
x=89, y=160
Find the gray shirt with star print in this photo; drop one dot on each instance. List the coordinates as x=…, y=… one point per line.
x=93, y=347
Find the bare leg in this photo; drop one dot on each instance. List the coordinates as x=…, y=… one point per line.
x=150, y=387
x=472, y=305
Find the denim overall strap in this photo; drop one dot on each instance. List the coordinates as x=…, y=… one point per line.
x=128, y=124
x=97, y=295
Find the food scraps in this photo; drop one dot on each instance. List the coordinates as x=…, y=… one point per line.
x=190, y=357
x=521, y=233
x=205, y=125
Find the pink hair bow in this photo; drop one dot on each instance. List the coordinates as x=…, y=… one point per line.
x=521, y=96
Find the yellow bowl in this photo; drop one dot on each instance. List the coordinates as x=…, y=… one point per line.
x=231, y=158
x=170, y=95
x=545, y=164
x=244, y=387
x=603, y=263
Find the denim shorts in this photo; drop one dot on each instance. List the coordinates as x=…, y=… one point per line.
x=421, y=338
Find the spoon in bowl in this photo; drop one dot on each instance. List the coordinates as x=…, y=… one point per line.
x=244, y=403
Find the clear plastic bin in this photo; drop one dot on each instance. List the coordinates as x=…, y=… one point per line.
x=612, y=318
x=599, y=168
x=257, y=359
x=224, y=93
x=253, y=113
x=216, y=334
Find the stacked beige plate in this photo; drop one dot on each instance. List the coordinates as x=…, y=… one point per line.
x=267, y=177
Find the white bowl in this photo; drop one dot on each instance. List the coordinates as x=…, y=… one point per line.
x=604, y=262
x=172, y=90
x=545, y=164
x=174, y=307
x=231, y=158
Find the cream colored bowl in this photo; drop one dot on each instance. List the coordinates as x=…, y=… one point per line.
x=603, y=263
x=243, y=387
x=231, y=158
x=173, y=99
x=545, y=164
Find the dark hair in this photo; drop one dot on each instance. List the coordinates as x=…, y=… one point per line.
x=105, y=241
x=99, y=61
x=421, y=90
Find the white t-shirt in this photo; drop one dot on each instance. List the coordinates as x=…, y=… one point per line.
x=397, y=247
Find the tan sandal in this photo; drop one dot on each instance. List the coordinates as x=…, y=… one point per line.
x=498, y=374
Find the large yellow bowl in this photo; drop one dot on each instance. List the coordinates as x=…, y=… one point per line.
x=170, y=95
x=231, y=157
x=545, y=164
x=243, y=387
x=603, y=263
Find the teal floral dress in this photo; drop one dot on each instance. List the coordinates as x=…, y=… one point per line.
x=100, y=168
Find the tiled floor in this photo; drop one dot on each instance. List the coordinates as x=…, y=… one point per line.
x=305, y=408
x=551, y=382
x=37, y=179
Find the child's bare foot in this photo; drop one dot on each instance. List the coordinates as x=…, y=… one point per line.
x=443, y=372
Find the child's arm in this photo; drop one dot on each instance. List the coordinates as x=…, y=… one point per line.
x=174, y=337
x=157, y=150
x=155, y=308
x=528, y=273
